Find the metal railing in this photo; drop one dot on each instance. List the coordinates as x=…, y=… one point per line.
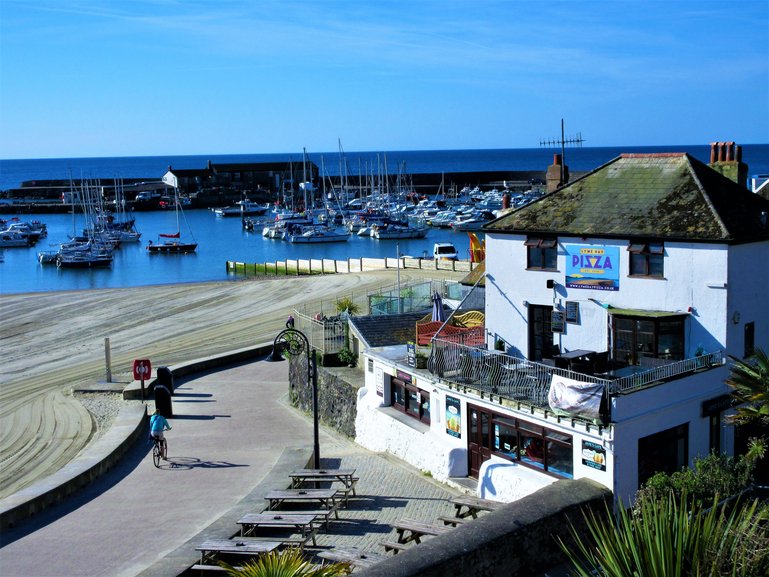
x=327, y=336
x=515, y=378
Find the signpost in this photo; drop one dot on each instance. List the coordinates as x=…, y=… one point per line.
x=142, y=370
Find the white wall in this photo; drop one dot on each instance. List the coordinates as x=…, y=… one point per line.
x=748, y=283
x=695, y=275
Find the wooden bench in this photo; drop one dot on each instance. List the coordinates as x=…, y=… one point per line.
x=473, y=505
x=412, y=530
x=203, y=568
x=352, y=555
x=394, y=546
x=325, y=513
x=453, y=520
x=298, y=541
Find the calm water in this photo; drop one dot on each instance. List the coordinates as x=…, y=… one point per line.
x=222, y=239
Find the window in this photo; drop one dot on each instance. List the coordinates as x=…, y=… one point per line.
x=541, y=253
x=637, y=337
x=750, y=340
x=524, y=442
x=666, y=452
x=406, y=397
x=647, y=259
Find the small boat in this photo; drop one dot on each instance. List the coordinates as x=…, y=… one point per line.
x=243, y=208
x=172, y=243
x=391, y=231
x=13, y=239
x=318, y=234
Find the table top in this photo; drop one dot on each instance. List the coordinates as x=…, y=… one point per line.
x=570, y=355
x=476, y=502
x=276, y=519
x=238, y=546
x=300, y=494
x=320, y=473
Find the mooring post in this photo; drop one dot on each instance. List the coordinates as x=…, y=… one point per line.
x=107, y=359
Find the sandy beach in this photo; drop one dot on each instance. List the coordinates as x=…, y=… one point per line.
x=55, y=342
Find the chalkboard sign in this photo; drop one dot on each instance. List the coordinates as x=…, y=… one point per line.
x=556, y=321
x=572, y=312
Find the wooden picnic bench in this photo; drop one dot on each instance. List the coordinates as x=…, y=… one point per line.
x=352, y=555
x=325, y=514
x=303, y=524
x=454, y=521
x=412, y=530
x=469, y=506
x=213, y=548
x=346, y=477
x=325, y=497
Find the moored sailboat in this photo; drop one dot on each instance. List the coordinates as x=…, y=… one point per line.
x=172, y=242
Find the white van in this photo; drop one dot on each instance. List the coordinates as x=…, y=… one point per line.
x=445, y=250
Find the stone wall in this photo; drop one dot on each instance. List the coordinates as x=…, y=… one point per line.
x=337, y=393
x=518, y=540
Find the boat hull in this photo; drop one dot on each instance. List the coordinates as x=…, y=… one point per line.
x=172, y=248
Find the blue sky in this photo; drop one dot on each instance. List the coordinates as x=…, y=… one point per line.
x=166, y=77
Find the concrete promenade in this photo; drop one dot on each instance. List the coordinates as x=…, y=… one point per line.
x=234, y=437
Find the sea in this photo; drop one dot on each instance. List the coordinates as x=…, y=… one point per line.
x=223, y=239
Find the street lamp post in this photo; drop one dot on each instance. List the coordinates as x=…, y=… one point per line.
x=294, y=342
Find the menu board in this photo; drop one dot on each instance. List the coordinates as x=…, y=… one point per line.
x=557, y=321
x=593, y=455
x=453, y=417
x=572, y=312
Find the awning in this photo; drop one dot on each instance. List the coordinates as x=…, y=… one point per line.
x=646, y=313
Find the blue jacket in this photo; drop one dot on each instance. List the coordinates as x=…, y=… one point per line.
x=158, y=424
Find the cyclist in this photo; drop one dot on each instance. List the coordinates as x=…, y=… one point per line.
x=158, y=424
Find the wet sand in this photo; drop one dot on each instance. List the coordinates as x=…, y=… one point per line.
x=53, y=343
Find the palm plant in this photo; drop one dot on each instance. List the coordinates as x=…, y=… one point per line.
x=288, y=563
x=676, y=538
x=749, y=380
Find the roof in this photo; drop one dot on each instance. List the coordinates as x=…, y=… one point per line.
x=476, y=275
x=386, y=330
x=669, y=196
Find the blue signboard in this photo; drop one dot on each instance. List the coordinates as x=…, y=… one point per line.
x=592, y=267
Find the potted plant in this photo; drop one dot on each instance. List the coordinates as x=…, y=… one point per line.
x=346, y=357
x=421, y=359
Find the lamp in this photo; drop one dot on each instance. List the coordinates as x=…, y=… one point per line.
x=294, y=342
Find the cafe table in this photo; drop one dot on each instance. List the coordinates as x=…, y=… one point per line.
x=326, y=498
x=346, y=477
x=213, y=548
x=302, y=524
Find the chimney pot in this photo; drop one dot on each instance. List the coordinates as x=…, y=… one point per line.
x=557, y=159
x=738, y=153
x=721, y=151
x=713, y=154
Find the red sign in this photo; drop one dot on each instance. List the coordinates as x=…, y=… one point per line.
x=142, y=369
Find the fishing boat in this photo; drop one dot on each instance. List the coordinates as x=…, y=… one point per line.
x=172, y=243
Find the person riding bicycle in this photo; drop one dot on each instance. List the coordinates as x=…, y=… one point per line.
x=158, y=424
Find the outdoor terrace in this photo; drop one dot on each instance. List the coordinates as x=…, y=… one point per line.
x=493, y=373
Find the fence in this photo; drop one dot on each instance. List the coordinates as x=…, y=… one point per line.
x=514, y=378
x=326, y=335
x=351, y=265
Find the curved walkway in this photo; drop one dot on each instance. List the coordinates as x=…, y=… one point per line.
x=232, y=439
x=228, y=431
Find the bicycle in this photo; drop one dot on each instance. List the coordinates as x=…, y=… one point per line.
x=157, y=450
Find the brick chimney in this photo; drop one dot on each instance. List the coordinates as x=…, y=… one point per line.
x=726, y=158
x=557, y=174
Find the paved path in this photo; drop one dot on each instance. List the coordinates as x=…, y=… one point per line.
x=230, y=428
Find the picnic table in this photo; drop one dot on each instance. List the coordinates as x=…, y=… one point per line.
x=352, y=555
x=411, y=530
x=344, y=476
x=469, y=506
x=303, y=524
x=326, y=498
x=212, y=548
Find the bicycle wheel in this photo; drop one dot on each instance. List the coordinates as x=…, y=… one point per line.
x=156, y=454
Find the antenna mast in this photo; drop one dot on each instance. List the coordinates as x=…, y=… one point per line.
x=562, y=142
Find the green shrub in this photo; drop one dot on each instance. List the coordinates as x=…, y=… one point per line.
x=347, y=304
x=346, y=356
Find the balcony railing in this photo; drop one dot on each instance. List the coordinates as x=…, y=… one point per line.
x=514, y=378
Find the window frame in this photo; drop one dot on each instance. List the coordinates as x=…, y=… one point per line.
x=632, y=354
x=646, y=259
x=545, y=249
x=410, y=400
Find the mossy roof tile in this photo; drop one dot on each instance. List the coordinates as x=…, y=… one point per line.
x=669, y=196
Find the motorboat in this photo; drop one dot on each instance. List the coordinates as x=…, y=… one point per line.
x=392, y=231
x=318, y=234
x=12, y=239
x=243, y=208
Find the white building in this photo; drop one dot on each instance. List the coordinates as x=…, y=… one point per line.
x=612, y=305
